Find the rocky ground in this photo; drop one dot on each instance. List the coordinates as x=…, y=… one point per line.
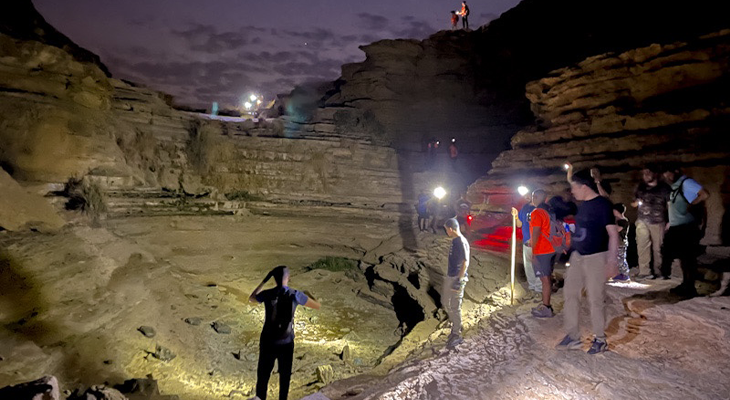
x=167, y=296
x=660, y=348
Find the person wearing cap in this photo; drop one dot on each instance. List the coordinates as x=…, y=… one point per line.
x=455, y=279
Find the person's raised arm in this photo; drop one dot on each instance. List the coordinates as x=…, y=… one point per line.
x=596, y=174
x=569, y=172
x=252, y=297
x=612, y=261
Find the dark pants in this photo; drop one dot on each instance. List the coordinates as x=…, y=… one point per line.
x=284, y=354
x=681, y=242
x=465, y=22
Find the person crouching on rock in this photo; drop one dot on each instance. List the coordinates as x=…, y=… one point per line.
x=453, y=290
x=277, y=335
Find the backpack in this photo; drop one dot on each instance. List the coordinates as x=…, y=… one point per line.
x=558, y=237
x=698, y=211
x=282, y=316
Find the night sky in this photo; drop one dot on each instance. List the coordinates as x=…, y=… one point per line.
x=221, y=50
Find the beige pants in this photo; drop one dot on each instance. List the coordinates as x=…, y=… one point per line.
x=649, y=238
x=587, y=272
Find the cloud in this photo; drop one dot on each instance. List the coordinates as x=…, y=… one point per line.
x=372, y=22
x=414, y=29
x=206, y=39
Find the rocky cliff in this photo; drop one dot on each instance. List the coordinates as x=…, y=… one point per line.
x=620, y=111
x=470, y=85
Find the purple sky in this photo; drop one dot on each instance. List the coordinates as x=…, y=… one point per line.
x=220, y=50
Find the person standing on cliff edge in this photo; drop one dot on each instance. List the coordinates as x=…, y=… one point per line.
x=277, y=336
x=464, y=15
x=455, y=280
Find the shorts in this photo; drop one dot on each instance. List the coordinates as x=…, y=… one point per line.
x=543, y=264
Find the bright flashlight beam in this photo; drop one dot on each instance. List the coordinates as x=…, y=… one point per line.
x=522, y=190
x=439, y=192
x=253, y=97
x=566, y=166
x=247, y=105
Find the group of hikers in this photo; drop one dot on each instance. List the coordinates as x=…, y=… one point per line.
x=464, y=14
x=433, y=212
x=667, y=228
x=433, y=149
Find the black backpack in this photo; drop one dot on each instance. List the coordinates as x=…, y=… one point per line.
x=280, y=320
x=698, y=211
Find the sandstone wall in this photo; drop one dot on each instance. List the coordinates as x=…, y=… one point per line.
x=618, y=112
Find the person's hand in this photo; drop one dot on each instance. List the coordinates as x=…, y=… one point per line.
x=527, y=243
x=596, y=174
x=570, y=166
x=514, y=212
x=666, y=227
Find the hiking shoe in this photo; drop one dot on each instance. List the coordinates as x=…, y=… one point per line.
x=569, y=344
x=621, y=278
x=598, y=346
x=666, y=277
x=453, y=341
x=543, y=311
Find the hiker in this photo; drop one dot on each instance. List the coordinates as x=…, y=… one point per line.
x=563, y=205
x=603, y=187
x=464, y=15
x=595, y=245
x=422, y=210
x=453, y=153
x=623, y=226
x=523, y=221
x=277, y=335
x=543, y=252
x=463, y=209
x=455, y=280
x=651, y=198
x=454, y=20
x=682, y=236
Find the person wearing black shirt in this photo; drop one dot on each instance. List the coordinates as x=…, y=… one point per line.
x=277, y=336
x=595, y=248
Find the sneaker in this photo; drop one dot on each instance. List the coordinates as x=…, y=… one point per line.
x=543, y=311
x=621, y=278
x=642, y=277
x=453, y=341
x=569, y=344
x=598, y=346
x=666, y=277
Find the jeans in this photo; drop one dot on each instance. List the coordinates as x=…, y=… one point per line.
x=284, y=354
x=451, y=301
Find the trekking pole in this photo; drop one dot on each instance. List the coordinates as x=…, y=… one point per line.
x=514, y=249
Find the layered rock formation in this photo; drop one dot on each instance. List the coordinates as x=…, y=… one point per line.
x=619, y=112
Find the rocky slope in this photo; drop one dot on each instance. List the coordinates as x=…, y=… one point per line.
x=620, y=111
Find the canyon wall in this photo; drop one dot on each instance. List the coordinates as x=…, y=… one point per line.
x=619, y=112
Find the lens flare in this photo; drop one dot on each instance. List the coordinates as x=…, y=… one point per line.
x=439, y=192
x=523, y=190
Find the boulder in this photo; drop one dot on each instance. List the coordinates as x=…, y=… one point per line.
x=45, y=388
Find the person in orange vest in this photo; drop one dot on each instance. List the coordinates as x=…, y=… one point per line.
x=454, y=20
x=464, y=15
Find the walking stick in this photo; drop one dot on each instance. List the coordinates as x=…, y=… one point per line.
x=514, y=249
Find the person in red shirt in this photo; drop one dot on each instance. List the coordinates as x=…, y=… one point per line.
x=454, y=20
x=542, y=252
